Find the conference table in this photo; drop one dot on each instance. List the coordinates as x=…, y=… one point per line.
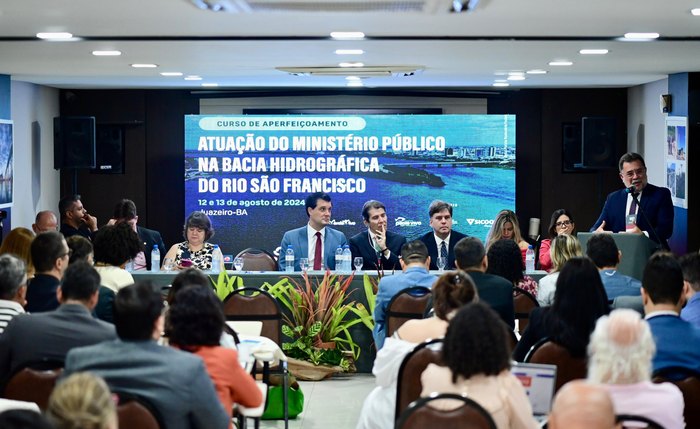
x=361, y=335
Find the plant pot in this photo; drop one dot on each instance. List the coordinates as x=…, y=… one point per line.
x=307, y=371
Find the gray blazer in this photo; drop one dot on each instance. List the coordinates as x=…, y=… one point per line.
x=173, y=381
x=32, y=338
x=300, y=243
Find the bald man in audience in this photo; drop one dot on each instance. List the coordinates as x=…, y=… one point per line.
x=45, y=221
x=580, y=405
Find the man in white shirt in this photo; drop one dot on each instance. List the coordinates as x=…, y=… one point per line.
x=442, y=239
x=13, y=288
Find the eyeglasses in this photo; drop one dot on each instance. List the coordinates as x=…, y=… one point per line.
x=563, y=223
x=638, y=172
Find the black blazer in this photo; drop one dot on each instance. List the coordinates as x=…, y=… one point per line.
x=150, y=238
x=429, y=240
x=360, y=246
x=496, y=292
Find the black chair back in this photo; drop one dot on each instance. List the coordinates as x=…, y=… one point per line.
x=568, y=367
x=253, y=304
x=437, y=412
x=136, y=412
x=408, y=384
x=409, y=303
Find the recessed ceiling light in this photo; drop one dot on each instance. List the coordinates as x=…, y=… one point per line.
x=593, y=51
x=355, y=83
x=501, y=84
x=500, y=73
x=344, y=35
x=500, y=80
x=351, y=64
x=54, y=36
x=515, y=73
x=561, y=63
x=144, y=66
x=210, y=85
x=641, y=36
x=193, y=77
x=171, y=74
x=695, y=11
x=349, y=52
x=106, y=53
x=353, y=78
x=537, y=71
x=516, y=77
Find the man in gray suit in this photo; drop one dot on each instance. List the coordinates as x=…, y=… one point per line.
x=35, y=338
x=316, y=238
x=174, y=382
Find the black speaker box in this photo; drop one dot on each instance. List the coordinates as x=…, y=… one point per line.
x=598, y=143
x=571, y=146
x=74, y=142
x=109, y=150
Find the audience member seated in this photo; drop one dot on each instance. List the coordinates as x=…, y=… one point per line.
x=506, y=227
x=495, y=291
x=619, y=357
x=582, y=405
x=80, y=249
x=196, y=320
x=175, y=382
x=690, y=264
x=82, y=401
x=23, y=419
x=125, y=212
x=579, y=301
x=414, y=263
x=50, y=255
x=195, y=251
x=45, y=221
x=75, y=220
x=451, y=291
x=504, y=260
x=32, y=338
x=564, y=247
x=601, y=248
x=13, y=288
x=19, y=243
x=114, y=246
x=677, y=341
x=476, y=353
x=561, y=223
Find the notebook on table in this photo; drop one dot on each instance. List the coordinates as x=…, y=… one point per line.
x=539, y=382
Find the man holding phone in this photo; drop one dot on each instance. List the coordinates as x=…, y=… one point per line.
x=75, y=220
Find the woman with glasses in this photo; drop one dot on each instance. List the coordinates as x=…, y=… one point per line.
x=195, y=251
x=561, y=223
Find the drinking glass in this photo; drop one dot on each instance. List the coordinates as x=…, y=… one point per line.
x=304, y=264
x=358, y=263
x=238, y=264
x=442, y=263
x=168, y=264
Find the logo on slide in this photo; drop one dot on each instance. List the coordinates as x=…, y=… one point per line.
x=485, y=222
x=401, y=221
x=343, y=222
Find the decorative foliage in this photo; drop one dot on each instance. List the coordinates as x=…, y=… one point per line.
x=225, y=284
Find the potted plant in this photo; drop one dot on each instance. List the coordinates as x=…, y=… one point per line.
x=225, y=284
x=318, y=318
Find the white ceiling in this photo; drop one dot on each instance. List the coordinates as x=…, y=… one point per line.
x=243, y=50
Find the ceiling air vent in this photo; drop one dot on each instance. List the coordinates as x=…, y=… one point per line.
x=376, y=71
x=392, y=6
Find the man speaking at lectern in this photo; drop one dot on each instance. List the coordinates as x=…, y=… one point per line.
x=655, y=216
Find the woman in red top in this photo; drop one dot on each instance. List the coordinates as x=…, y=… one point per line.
x=561, y=223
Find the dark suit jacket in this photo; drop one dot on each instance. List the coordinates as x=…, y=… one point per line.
x=656, y=203
x=360, y=246
x=300, y=243
x=429, y=240
x=31, y=338
x=151, y=238
x=496, y=292
x=175, y=382
x=41, y=293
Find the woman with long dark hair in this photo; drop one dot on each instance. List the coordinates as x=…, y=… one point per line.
x=561, y=223
x=579, y=300
x=505, y=261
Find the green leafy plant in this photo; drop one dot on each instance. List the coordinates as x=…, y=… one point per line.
x=370, y=286
x=320, y=312
x=225, y=284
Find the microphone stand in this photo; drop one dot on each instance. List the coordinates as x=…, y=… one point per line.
x=662, y=245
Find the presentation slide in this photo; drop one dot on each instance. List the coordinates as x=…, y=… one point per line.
x=251, y=174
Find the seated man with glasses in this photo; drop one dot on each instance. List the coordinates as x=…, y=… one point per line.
x=655, y=202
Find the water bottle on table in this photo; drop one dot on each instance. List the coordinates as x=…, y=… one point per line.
x=155, y=259
x=216, y=260
x=339, y=259
x=530, y=259
x=347, y=259
x=289, y=259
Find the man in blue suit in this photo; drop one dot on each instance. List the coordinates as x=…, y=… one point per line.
x=655, y=202
x=306, y=240
x=414, y=263
x=442, y=239
x=378, y=247
x=677, y=341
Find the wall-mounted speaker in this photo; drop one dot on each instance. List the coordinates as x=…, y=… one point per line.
x=571, y=147
x=109, y=150
x=74, y=142
x=598, y=142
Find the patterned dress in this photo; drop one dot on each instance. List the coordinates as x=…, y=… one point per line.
x=200, y=259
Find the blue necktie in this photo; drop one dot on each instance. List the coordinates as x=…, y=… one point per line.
x=443, y=250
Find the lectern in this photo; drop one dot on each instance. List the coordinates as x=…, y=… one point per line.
x=636, y=249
